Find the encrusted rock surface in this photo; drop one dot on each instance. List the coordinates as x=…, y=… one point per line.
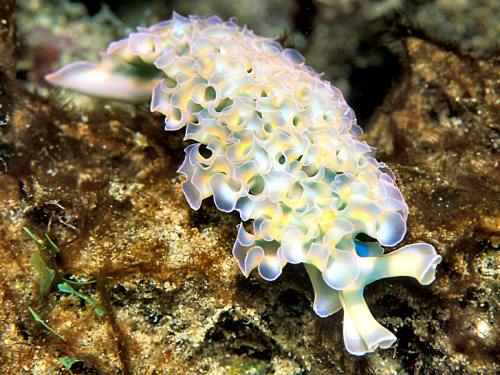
x=100, y=179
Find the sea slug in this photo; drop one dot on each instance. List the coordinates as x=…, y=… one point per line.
x=283, y=151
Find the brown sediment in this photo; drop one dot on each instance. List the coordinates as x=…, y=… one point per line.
x=102, y=183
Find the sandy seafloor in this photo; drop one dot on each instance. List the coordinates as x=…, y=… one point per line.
x=100, y=179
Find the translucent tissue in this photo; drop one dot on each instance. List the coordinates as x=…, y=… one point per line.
x=283, y=152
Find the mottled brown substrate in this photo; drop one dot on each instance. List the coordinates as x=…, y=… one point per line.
x=102, y=183
x=440, y=131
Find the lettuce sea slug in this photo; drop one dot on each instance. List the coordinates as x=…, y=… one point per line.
x=283, y=151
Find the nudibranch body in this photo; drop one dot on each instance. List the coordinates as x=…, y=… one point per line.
x=284, y=153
